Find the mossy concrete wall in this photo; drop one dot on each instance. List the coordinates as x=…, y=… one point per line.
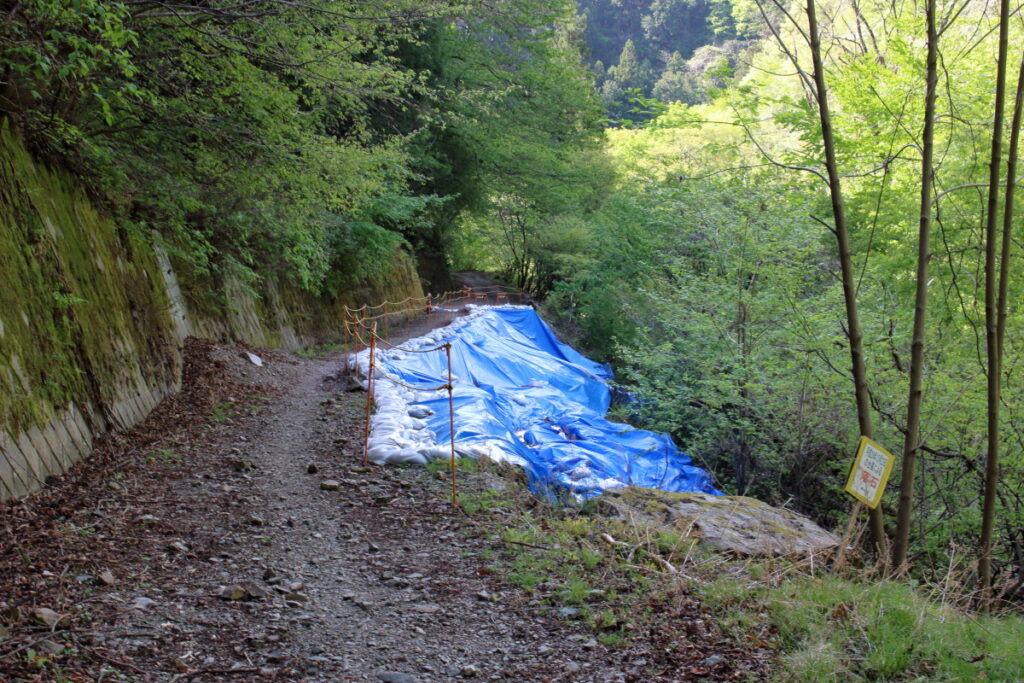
x=93, y=319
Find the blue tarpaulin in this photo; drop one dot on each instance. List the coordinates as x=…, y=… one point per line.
x=523, y=396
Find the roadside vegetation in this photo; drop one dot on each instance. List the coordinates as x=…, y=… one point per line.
x=712, y=279
x=624, y=581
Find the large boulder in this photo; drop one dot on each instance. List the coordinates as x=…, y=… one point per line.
x=737, y=524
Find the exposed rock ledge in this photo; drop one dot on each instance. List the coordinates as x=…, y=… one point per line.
x=727, y=523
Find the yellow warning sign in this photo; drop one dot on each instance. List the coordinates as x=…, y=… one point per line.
x=870, y=472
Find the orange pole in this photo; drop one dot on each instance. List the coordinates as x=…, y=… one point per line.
x=369, y=397
x=451, y=423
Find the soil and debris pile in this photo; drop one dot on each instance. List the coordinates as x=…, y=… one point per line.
x=737, y=524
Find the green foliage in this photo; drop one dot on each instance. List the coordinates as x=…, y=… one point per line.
x=701, y=292
x=629, y=74
x=234, y=137
x=710, y=281
x=81, y=50
x=537, y=157
x=830, y=628
x=676, y=83
x=305, y=143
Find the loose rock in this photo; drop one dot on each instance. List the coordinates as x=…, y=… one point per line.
x=178, y=547
x=235, y=592
x=395, y=677
x=143, y=603
x=46, y=616
x=429, y=608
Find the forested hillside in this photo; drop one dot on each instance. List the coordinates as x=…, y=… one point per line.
x=303, y=141
x=671, y=50
x=712, y=275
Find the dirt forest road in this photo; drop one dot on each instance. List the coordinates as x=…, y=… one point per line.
x=235, y=536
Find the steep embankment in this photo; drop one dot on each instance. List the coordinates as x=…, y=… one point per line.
x=93, y=317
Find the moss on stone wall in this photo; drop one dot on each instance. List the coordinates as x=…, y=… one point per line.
x=83, y=310
x=278, y=313
x=92, y=317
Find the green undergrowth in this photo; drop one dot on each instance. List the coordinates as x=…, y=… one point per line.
x=832, y=628
x=618, y=578
x=318, y=350
x=225, y=411
x=574, y=573
x=606, y=575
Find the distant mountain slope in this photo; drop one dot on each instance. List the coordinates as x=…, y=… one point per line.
x=673, y=50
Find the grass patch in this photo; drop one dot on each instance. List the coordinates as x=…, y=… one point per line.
x=167, y=456
x=831, y=628
x=462, y=465
x=561, y=558
x=483, y=501
x=225, y=411
x=620, y=578
x=317, y=351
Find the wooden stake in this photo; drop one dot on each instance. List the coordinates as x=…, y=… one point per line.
x=847, y=535
x=369, y=396
x=451, y=423
x=344, y=336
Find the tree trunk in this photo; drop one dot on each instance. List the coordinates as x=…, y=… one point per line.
x=916, y=392
x=991, y=317
x=846, y=263
x=1011, y=185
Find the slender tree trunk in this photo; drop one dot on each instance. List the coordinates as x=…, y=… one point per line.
x=995, y=330
x=916, y=394
x=1011, y=185
x=991, y=317
x=860, y=382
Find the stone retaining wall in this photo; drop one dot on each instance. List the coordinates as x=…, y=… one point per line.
x=93, y=320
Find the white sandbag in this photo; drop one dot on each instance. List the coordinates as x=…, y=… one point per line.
x=435, y=452
x=398, y=431
x=413, y=423
x=380, y=454
x=408, y=455
x=384, y=426
x=388, y=440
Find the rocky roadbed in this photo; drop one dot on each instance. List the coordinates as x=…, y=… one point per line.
x=235, y=536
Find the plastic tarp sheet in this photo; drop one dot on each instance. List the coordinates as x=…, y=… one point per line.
x=520, y=396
